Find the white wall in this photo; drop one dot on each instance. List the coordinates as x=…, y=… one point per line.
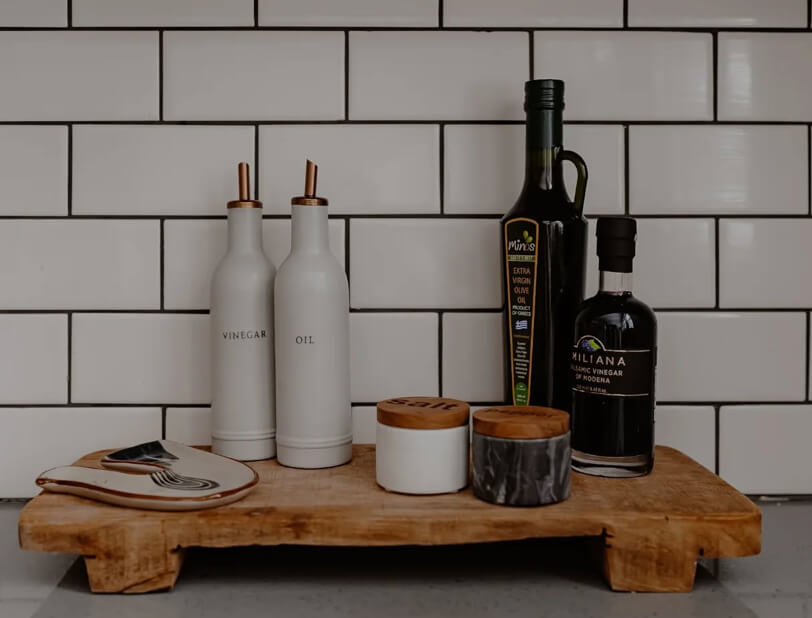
x=120, y=127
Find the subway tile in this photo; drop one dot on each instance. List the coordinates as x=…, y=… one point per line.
x=764, y=263
x=190, y=426
x=157, y=170
x=718, y=170
x=473, y=356
x=33, y=170
x=674, y=266
x=80, y=264
x=138, y=358
x=425, y=263
x=163, y=13
x=533, y=13
x=192, y=250
x=220, y=75
x=364, y=424
x=393, y=354
x=33, y=13
x=73, y=75
x=764, y=449
x=718, y=14
x=33, y=359
x=484, y=167
x=727, y=356
x=437, y=75
x=690, y=429
x=53, y=437
x=762, y=76
x=356, y=13
x=620, y=75
x=363, y=169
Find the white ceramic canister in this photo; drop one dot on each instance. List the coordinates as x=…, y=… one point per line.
x=243, y=423
x=422, y=445
x=312, y=343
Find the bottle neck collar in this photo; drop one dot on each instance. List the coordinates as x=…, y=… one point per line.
x=245, y=229
x=309, y=229
x=615, y=283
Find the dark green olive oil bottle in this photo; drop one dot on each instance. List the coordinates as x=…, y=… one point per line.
x=544, y=256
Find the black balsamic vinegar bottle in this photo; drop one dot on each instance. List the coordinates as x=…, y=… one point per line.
x=613, y=365
x=543, y=258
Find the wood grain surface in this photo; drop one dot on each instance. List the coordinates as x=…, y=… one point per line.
x=652, y=529
x=521, y=422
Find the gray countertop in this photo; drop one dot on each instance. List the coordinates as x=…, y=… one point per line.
x=551, y=578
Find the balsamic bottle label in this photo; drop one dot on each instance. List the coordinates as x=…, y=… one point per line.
x=521, y=256
x=615, y=373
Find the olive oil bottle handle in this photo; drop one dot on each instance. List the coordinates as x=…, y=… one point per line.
x=580, y=185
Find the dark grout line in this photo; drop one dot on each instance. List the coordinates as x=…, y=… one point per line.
x=808, y=161
x=626, y=170
x=256, y=165
x=532, y=47
x=104, y=405
x=492, y=122
x=163, y=423
x=69, y=4
x=716, y=251
x=161, y=261
x=808, y=352
x=680, y=29
x=716, y=415
x=70, y=170
x=440, y=11
x=715, y=83
x=256, y=13
x=442, y=169
x=161, y=75
x=347, y=250
x=70, y=353
x=346, y=75
x=625, y=14
x=440, y=319
x=809, y=14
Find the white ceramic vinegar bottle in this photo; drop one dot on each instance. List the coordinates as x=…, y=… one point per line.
x=312, y=343
x=243, y=420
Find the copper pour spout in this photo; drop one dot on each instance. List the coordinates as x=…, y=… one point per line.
x=310, y=198
x=244, y=179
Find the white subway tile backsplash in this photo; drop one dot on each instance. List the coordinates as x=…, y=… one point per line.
x=192, y=250
x=35, y=439
x=718, y=13
x=393, y=355
x=265, y=75
x=674, y=266
x=425, y=263
x=690, y=429
x=190, y=426
x=718, y=170
x=764, y=263
x=762, y=76
x=79, y=264
x=140, y=358
x=120, y=13
x=33, y=359
x=437, y=75
x=363, y=169
x=472, y=356
x=356, y=13
x=629, y=75
x=725, y=356
x=533, y=13
x=764, y=449
x=157, y=170
x=72, y=75
x=33, y=13
x=484, y=167
x=33, y=156
x=364, y=421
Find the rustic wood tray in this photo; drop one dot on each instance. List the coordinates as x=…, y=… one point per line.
x=651, y=529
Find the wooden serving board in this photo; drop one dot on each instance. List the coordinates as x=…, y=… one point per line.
x=652, y=529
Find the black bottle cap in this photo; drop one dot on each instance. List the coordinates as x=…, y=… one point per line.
x=616, y=237
x=543, y=94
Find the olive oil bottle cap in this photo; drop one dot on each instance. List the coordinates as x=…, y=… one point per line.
x=616, y=236
x=544, y=94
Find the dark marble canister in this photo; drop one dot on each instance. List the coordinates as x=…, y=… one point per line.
x=520, y=471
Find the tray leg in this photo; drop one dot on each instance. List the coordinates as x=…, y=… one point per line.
x=135, y=563
x=650, y=559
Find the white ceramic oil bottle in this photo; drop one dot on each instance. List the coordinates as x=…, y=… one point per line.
x=312, y=342
x=243, y=420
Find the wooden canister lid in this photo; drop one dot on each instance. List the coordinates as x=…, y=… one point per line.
x=423, y=412
x=521, y=422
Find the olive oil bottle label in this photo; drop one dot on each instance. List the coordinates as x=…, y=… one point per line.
x=521, y=256
x=615, y=373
